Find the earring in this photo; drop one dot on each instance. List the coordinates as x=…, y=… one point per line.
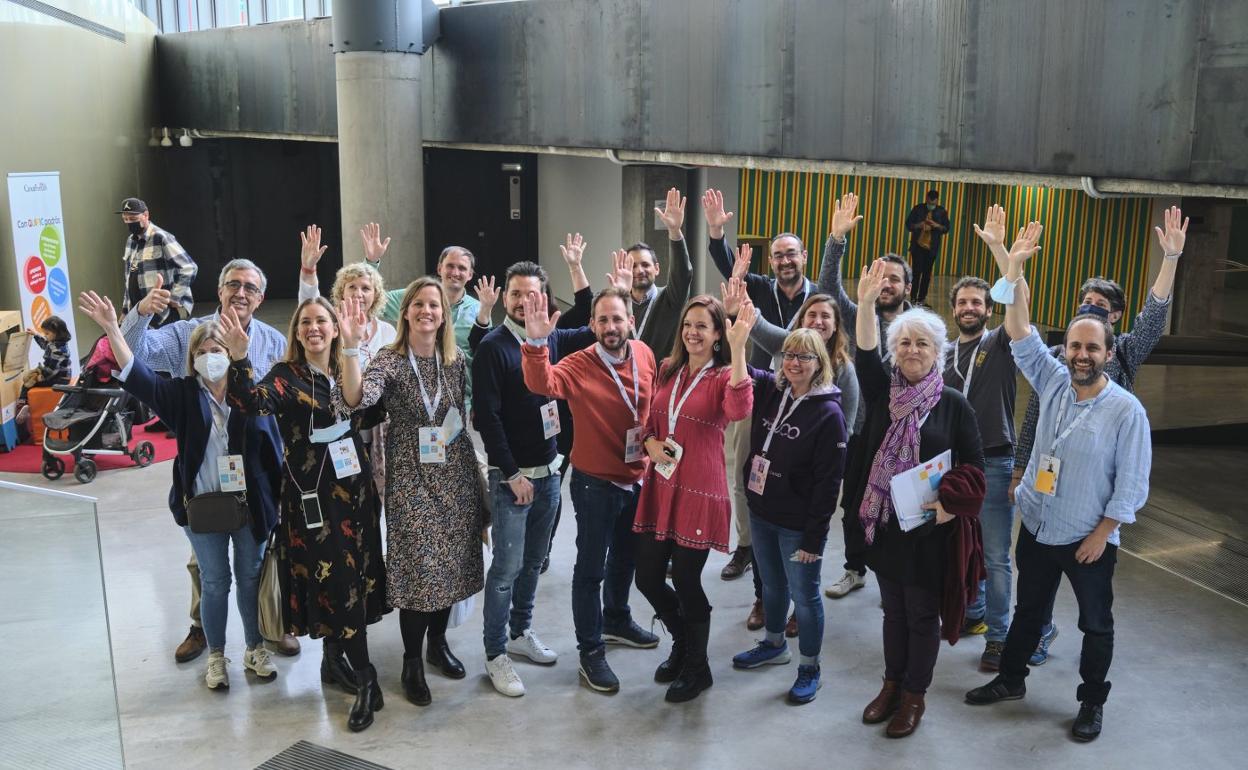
x=716, y=347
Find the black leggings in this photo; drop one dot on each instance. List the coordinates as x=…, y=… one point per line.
x=356, y=649
x=415, y=625
x=652, y=557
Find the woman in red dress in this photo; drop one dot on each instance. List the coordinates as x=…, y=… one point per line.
x=684, y=508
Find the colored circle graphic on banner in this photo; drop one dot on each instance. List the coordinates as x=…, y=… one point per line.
x=40, y=311
x=50, y=245
x=35, y=275
x=58, y=287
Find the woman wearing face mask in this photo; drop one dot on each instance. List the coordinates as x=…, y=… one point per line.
x=435, y=512
x=330, y=535
x=924, y=572
x=209, y=434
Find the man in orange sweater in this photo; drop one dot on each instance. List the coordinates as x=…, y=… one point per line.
x=608, y=388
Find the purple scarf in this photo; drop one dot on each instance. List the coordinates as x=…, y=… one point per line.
x=907, y=406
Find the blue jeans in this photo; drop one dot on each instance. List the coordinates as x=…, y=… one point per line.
x=521, y=535
x=996, y=519
x=603, y=572
x=212, y=551
x=782, y=577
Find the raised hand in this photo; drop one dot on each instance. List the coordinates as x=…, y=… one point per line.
x=32, y=331
x=98, y=309
x=487, y=293
x=621, y=275
x=310, y=250
x=870, y=284
x=673, y=213
x=538, y=322
x=1026, y=243
x=734, y=295
x=993, y=231
x=1175, y=235
x=741, y=265
x=374, y=246
x=236, y=339
x=845, y=215
x=713, y=209
x=573, y=249
x=157, y=299
x=352, y=322
x=738, y=331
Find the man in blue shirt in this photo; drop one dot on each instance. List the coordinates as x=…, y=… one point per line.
x=1088, y=476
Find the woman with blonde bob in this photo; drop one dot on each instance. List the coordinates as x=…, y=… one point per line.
x=435, y=512
x=793, y=477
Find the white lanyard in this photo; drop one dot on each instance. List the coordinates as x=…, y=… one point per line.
x=430, y=407
x=775, y=290
x=515, y=329
x=1061, y=415
x=781, y=415
x=970, y=369
x=636, y=400
x=651, y=296
x=674, y=406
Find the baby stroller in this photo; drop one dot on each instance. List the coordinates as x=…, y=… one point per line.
x=94, y=417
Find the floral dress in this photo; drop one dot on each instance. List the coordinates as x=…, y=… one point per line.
x=333, y=578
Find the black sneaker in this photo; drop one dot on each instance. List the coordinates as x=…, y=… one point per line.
x=1087, y=724
x=629, y=634
x=996, y=690
x=596, y=673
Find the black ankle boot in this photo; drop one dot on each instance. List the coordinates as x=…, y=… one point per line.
x=670, y=668
x=367, y=699
x=414, y=685
x=695, y=674
x=439, y=654
x=334, y=667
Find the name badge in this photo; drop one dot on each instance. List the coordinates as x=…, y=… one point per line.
x=668, y=468
x=432, y=445
x=632, y=445
x=452, y=425
x=550, y=420
x=346, y=461
x=1047, y=474
x=230, y=473
x=759, y=467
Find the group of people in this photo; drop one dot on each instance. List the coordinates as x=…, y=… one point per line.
x=679, y=431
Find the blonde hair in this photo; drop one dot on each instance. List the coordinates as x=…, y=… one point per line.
x=348, y=273
x=807, y=341
x=295, y=353
x=445, y=341
x=208, y=330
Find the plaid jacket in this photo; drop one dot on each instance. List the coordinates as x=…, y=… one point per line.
x=154, y=253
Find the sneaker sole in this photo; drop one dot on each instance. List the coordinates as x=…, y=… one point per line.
x=624, y=641
x=737, y=576
x=531, y=659
x=779, y=660
x=799, y=701
x=219, y=686
x=270, y=675
x=504, y=692
x=828, y=592
x=595, y=687
x=995, y=700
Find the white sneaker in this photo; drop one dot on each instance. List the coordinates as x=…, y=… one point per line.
x=850, y=581
x=257, y=659
x=216, y=675
x=529, y=646
x=504, y=677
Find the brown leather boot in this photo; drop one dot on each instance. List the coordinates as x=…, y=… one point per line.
x=756, y=618
x=790, y=628
x=909, y=712
x=884, y=704
x=191, y=647
x=288, y=645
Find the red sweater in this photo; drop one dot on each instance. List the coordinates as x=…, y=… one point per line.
x=598, y=411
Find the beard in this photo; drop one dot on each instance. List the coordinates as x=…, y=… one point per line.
x=973, y=326
x=515, y=316
x=889, y=305
x=1094, y=374
x=613, y=342
x=643, y=284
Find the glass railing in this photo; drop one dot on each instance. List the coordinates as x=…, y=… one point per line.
x=58, y=692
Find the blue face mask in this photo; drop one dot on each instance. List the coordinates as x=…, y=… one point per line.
x=1095, y=310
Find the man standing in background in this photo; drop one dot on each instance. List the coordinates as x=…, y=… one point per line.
x=154, y=259
x=927, y=222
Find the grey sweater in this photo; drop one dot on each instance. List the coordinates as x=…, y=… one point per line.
x=770, y=338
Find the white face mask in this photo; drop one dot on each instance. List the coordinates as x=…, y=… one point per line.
x=212, y=366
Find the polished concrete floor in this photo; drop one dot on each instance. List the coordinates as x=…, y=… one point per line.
x=1179, y=679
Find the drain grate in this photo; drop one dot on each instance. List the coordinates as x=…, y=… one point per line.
x=1204, y=556
x=308, y=756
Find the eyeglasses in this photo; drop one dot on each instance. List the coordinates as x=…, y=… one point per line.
x=805, y=358
x=251, y=289
x=788, y=256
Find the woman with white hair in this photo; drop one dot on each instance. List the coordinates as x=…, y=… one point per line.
x=911, y=418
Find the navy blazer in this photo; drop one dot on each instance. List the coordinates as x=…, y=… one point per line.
x=182, y=404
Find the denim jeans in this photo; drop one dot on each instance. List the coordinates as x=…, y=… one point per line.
x=521, y=535
x=212, y=551
x=603, y=572
x=782, y=577
x=996, y=519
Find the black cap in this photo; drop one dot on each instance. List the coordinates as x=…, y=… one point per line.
x=132, y=206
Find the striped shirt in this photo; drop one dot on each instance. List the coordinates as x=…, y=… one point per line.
x=1105, y=460
x=165, y=349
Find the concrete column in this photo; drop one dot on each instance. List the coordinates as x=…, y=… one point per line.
x=380, y=158
x=1200, y=287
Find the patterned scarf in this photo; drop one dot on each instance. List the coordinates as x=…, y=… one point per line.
x=907, y=406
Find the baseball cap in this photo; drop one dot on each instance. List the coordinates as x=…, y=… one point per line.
x=132, y=206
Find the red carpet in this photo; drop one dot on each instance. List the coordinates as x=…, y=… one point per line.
x=28, y=458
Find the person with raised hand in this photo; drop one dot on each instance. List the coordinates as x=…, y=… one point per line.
x=210, y=437
x=1088, y=478
x=927, y=559
x=658, y=308
x=154, y=260
x=684, y=510
x=330, y=531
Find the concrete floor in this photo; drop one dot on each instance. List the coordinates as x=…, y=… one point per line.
x=1178, y=681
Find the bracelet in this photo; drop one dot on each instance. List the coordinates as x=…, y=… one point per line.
x=306, y=271
x=351, y=352
x=1173, y=257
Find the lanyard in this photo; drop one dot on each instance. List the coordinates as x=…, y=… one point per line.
x=431, y=407
x=781, y=416
x=516, y=329
x=1061, y=415
x=775, y=290
x=970, y=368
x=651, y=296
x=674, y=406
x=636, y=400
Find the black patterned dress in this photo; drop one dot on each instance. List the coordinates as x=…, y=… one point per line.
x=434, y=511
x=334, y=578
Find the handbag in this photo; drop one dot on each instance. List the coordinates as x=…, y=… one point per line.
x=272, y=623
x=217, y=512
